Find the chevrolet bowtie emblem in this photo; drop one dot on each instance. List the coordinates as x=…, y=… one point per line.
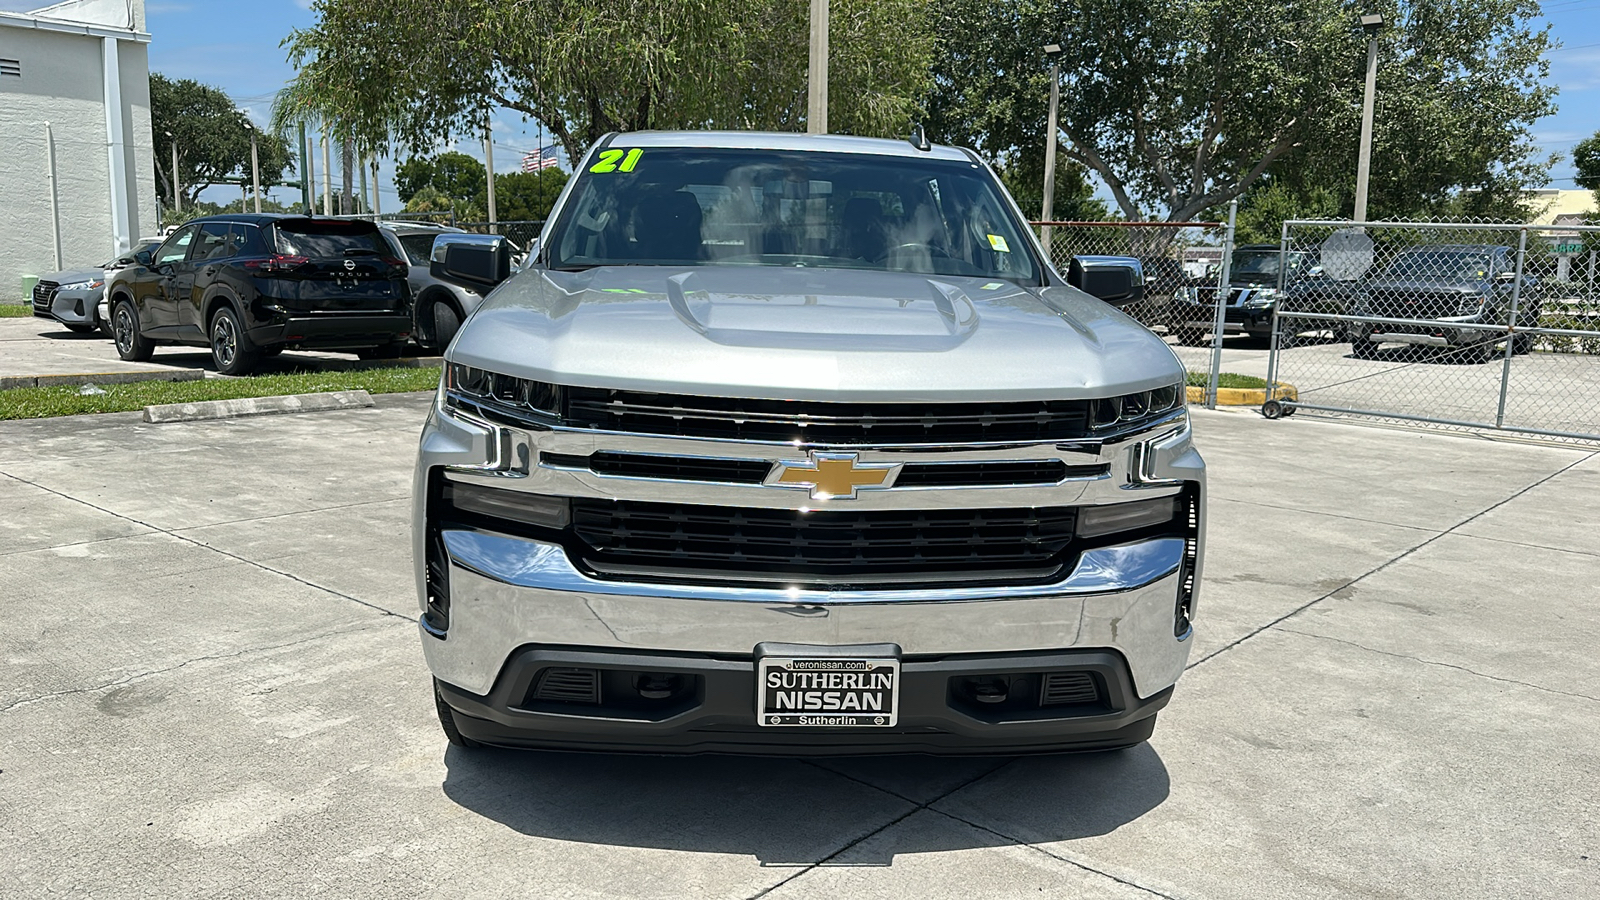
x=833, y=475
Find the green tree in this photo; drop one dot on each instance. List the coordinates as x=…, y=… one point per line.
x=213, y=143
x=527, y=196
x=412, y=71
x=1586, y=159
x=1179, y=106
x=455, y=175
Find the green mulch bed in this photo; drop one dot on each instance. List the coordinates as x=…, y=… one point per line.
x=15, y=310
x=66, y=400
x=1227, y=380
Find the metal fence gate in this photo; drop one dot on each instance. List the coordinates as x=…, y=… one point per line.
x=1459, y=325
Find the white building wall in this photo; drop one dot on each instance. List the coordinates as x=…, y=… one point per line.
x=62, y=83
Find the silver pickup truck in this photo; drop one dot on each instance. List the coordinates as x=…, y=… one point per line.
x=797, y=445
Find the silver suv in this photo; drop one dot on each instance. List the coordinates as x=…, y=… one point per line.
x=789, y=444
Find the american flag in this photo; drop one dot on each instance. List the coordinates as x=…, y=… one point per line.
x=545, y=158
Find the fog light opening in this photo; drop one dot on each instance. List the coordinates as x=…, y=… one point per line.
x=656, y=686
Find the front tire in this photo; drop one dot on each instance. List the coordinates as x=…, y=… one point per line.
x=231, y=348
x=445, y=324
x=131, y=345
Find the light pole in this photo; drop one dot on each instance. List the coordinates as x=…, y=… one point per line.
x=1051, y=51
x=255, y=162
x=1371, y=24
x=817, y=73
x=177, y=194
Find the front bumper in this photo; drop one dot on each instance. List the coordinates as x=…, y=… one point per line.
x=1236, y=319
x=715, y=713
x=517, y=603
x=70, y=307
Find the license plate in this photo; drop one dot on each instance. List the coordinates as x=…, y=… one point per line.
x=827, y=692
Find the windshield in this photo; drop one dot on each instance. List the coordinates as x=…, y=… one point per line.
x=325, y=239
x=691, y=207
x=418, y=247
x=1261, y=262
x=1433, y=265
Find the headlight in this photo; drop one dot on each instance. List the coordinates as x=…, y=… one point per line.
x=1471, y=304
x=503, y=392
x=1131, y=409
x=80, y=286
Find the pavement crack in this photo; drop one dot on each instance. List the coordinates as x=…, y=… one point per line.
x=1016, y=841
x=916, y=807
x=1435, y=662
x=1387, y=563
x=217, y=550
x=139, y=676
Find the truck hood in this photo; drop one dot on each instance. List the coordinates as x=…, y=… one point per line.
x=810, y=334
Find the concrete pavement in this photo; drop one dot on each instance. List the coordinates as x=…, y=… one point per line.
x=212, y=687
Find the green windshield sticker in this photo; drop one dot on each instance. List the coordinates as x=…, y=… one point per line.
x=617, y=161
x=992, y=286
x=999, y=243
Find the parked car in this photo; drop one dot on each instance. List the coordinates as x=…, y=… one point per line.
x=249, y=286
x=1447, y=285
x=438, y=307
x=76, y=297
x=1253, y=292
x=795, y=444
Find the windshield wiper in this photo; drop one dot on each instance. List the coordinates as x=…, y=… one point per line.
x=360, y=251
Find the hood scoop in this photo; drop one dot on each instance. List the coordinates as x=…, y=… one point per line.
x=838, y=310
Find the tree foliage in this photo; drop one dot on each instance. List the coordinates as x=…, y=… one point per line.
x=213, y=143
x=419, y=72
x=455, y=182
x=1181, y=105
x=1586, y=160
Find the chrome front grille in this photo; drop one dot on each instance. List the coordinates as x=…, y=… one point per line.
x=733, y=418
x=755, y=471
x=44, y=293
x=688, y=542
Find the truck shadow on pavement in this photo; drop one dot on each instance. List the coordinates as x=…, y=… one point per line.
x=787, y=812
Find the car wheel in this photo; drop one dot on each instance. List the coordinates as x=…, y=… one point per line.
x=1522, y=344
x=79, y=327
x=447, y=721
x=131, y=345
x=445, y=324
x=231, y=348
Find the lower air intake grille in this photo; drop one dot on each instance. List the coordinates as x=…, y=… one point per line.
x=568, y=686
x=690, y=542
x=1068, y=689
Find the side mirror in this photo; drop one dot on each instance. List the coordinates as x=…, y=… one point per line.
x=142, y=258
x=1118, y=282
x=476, y=262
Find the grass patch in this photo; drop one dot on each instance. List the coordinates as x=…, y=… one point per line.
x=1227, y=380
x=64, y=400
x=15, y=310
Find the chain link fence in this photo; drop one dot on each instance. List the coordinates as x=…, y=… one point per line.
x=1459, y=325
x=1183, y=267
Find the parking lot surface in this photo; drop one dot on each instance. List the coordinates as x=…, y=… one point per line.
x=212, y=686
x=35, y=346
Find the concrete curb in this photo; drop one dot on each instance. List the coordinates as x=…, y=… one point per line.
x=1244, y=396
x=165, y=413
x=25, y=381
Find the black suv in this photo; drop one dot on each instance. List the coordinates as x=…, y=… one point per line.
x=249, y=286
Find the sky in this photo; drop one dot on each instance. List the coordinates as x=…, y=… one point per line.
x=240, y=52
